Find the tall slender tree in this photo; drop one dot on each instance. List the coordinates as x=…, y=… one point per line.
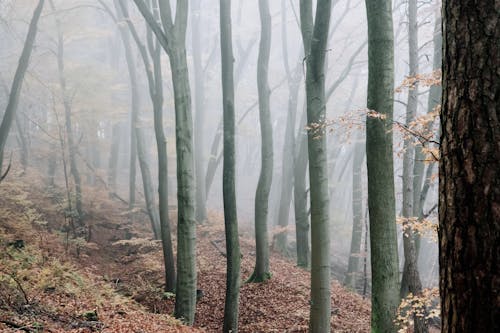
x=199, y=119
x=228, y=173
x=294, y=79
x=411, y=280
x=66, y=100
x=380, y=167
x=469, y=169
x=154, y=77
x=261, y=271
x=315, y=37
x=17, y=83
x=171, y=35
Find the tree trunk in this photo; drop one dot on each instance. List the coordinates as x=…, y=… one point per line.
x=411, y=280
x=147, y=184
x=353, y=265
x=68, y=121
x=469, y=171
x=300, y=197
x=185, y=301
x=318, y=168
x=261, y=272
x=379, y=159
x=199, y=99
x=228, y=178
x=17, y=83
x=173, y=38
x=114, y=155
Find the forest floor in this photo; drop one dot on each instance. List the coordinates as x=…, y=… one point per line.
x=112, y=281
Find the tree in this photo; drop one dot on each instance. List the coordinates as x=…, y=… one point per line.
x=66, y=100
x=357, y=214
x=380, y=168
x=228, y=177
x=172, y=38
x=469, y=170
x=261, y=271
x=315, y=37
x=199, y=99
x=17, y=83
x=154, y=78
x=293, y=79
x=411, y=280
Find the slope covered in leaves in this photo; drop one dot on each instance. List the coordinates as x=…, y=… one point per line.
x=117, y=272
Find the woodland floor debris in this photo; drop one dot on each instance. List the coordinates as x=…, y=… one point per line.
x=117, y=274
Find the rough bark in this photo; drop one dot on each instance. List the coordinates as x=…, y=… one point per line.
x=228, y=177
x=469, y=171
x=381, y=200
x=318, y=169
x=261, y=271
x=17, y=83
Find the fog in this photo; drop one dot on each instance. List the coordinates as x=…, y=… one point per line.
x=98, y=94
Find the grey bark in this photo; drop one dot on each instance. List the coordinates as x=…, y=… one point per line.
x=300, y=197
x=199, y=99
x=318, y=169
x=261, y=271
x=173, y=38
x=228, y=178
x=294, y=79
x=379, y=159
x=353, y=266
x=154, y=77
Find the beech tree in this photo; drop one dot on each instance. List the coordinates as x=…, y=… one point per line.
x=261, y=272
x=380, y=167
x=228, y=178
x=411, y=280
x=469, y=168
x=315, y=37
x=172, y=37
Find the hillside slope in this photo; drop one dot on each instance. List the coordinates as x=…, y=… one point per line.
x=112, y=280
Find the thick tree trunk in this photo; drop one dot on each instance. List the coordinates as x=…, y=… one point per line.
x=17, y=83
x=318, y=169
x=228, y=178
x=261, y=271
x=185, y=301
x=173, y=38
x=379, y=159
x=469, y=172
